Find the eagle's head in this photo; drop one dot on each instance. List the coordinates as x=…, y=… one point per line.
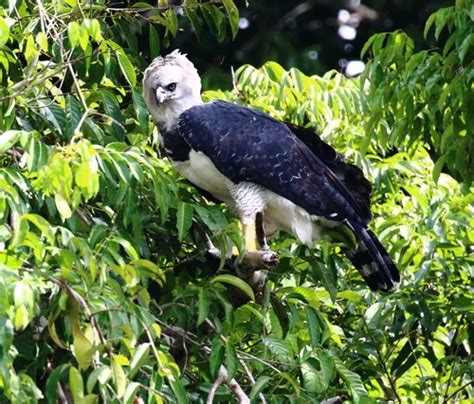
x=171, y=85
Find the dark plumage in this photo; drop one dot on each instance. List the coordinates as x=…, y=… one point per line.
x=248, y=145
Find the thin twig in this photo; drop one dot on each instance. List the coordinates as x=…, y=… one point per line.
x=26, y=84
x=453, y=395
x=221, y=377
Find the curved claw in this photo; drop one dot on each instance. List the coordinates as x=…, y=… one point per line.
x=260, y=259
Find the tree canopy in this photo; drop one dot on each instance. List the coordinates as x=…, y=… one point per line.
x=107, y=290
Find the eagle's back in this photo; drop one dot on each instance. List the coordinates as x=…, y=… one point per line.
x=248, y=145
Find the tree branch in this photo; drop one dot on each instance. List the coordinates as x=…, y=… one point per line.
x=252, y=380
x=221, y=377
x=235, y=387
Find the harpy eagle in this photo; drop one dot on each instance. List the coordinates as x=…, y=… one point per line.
x=272, y=174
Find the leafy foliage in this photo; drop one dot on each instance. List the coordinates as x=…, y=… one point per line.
x=107, y=292
x=426, y=96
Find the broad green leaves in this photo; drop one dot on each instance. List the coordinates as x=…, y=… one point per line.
x=409, y=219
x=233, y=15
x=237, y=282
x=184, y=219
x=4, y=31
x=127, y=67
x=426, y=96
x=106, y=286
x=8, y=139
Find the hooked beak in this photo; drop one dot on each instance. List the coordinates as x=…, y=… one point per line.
x=160, y=96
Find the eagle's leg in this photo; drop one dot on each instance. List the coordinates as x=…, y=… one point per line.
x=250, y=239
x=257, y=252
x=250, y=202
x=260, y=232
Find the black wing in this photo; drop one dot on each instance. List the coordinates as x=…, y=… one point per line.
x=350, y=175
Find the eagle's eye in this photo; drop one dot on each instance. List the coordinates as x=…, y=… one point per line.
x=171, y=87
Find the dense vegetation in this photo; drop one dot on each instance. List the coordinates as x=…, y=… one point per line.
x=107, y=292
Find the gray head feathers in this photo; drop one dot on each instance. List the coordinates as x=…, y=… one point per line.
x=171, y=84
x=175, y=58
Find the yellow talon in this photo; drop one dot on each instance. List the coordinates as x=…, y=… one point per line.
x=250, y=237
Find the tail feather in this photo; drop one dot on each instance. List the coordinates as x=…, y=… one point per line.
x=373, y=261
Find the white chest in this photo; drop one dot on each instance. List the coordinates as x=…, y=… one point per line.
x=202, y=172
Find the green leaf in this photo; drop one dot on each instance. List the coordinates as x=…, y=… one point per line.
x=403, y=355
x=42, y=225
x=214, y=18
x=367, y=45
x=22, y=317
x=303, y=293
x=442, y=18
x=216, y=358
x=233, y=15
x=293, y=382
x=467, y=44
x=141, y=110
x=95, y=31
x=38, y=154
x=127, y=67
x=62, y=206
x=74, y=33
x=438, y=167
x=323, y=368
x=9, y=138
x=120, y=380
x=83, y=38
x=42, y=41
x=274, y=71
x=468, y=108
x=101, y=374
x=191, y=15
x=231, y=361
x=350, y=295
x=131, y=392
x=204, y=304
x=73, y=115
x=30, y=51
x=318, y=372
x=373, y=314
x=351, y=380
x=23, y=294
x=177, y=386
x=19, y=234
x=184, y=219
x=76, y=385
x=56, y=375
x=313, y=325
x=4, y=32
x=112, y=109
x=154, y=41
x=140, y=356
x=429, y=22
x=237, y=282
x=281, y=312
x=258, y=386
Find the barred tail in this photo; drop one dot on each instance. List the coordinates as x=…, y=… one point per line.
x=372, y=260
